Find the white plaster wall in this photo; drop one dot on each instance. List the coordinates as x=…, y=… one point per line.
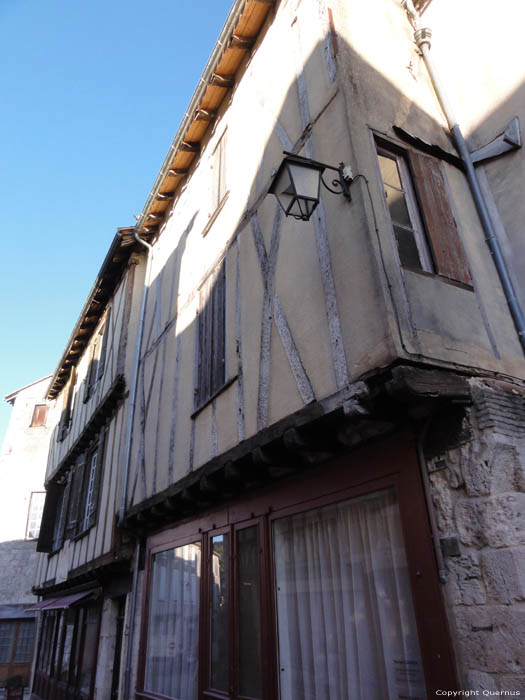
x=23, y=460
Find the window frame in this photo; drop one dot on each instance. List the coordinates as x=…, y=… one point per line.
x=50, y=655
x=66, y=418
x=413, y=207
x=389, y=463
x=219, y=187
x=211, y=331
x=33, y=493
x=431, y=211
x=38, y=420
x=13, y=665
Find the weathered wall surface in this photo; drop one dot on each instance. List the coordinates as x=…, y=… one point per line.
x=23, y=460
x=486, y=84
x=99, y=540
x=386, y=83
x=310, y=306
x=479, y=493
x=17, y=567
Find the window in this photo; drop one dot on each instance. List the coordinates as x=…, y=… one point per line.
x=71, y=503
x=97, y=360
x=211, y=338
x=85, y=485
x=67, y=653
x=16, y=641
x=36, y=508
x=218, y=190
x=60, y=515
x=67, y=411
x=302, y=593
x=425, y=229
x=39, y=416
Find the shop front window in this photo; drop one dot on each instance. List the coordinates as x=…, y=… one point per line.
x=307, y=592
x=173, y=623
x=345, y=620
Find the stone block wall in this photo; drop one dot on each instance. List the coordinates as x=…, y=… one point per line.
x=17, y=566
x=478, y=490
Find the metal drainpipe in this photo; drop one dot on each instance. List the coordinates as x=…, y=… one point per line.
x=422, y=37
x=127, y=461
x=131, y=623
x=134, y=378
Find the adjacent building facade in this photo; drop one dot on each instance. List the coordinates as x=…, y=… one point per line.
x=289, y=462
x=22, y=471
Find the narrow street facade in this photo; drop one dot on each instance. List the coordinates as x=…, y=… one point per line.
x=290, y=459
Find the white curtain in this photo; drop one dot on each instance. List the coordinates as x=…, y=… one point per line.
x=173, y=629
x=346, y=625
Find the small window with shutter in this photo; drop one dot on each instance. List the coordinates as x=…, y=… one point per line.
x=67, y=412
x=39, y=416
x=91, y=476
x=97, y=360
x=423, y=222
x=211, y=338
x=218, y=166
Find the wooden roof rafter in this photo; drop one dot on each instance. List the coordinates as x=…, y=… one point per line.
x=238, y=36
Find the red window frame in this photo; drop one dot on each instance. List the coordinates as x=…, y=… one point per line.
x=377, y=466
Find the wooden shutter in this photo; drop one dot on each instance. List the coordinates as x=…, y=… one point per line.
x=92, y=515
x=62, y=515
x=39, y=416
x=218, y=332
x=211, y=337
x=47, y=526
x=74, y=515
x=104, y=331
x=66, y=417
x=441, y=226
x=204, y=344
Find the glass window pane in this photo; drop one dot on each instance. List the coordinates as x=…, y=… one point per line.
x=249, y=612
x=406, y=244
x=88, y=662
x=24, y=642
x=7, y=635
x=397, y=206
x=173, y=627
x=389, y=171
x=219, y=613
x=68, y=644
x=346, y=624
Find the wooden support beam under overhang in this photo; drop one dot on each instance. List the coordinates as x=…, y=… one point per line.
x=241, y=42
x=190, y=146
x=205, y=115
x=178, y=171
x=224, y=81
x=163, y=196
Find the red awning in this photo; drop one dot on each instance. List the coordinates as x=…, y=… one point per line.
x=59, y=603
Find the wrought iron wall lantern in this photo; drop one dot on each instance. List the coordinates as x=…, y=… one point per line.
x=297, y=184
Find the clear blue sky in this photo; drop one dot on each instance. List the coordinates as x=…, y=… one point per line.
x=92, y=95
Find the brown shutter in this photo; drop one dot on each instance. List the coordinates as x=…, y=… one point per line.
x=92, y=516
x=218, y=332
x=47, y=526
x=74, y=515
x=441, y=226
x=205, y=344
x=39, y=416
x=104, y=349
x=62, y=514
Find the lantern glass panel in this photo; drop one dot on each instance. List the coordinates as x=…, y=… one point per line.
x=305, y=179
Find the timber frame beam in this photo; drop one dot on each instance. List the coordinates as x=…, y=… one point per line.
x=314, y=435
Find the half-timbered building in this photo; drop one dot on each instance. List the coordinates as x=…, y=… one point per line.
x=288, y=464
